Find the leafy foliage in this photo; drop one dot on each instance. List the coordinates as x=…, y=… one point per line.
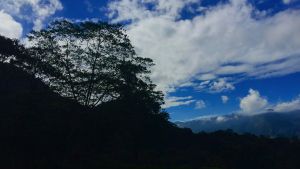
x=92, y=63
x=11, y=50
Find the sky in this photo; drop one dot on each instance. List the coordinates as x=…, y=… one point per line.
x=213, y=57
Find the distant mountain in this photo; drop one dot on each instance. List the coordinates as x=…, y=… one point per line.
x=270, y=124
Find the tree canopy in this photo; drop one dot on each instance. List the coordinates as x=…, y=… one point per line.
x=92, y=63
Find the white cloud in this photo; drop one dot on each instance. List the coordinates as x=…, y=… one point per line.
x=200, y=104
x=221, y=85
x=9, y=27
x=178, y=101
x=221, y=119
x=253, y=103
x=224, y=99
x=207, y=77
x=288, y=106
x=139, y=11
x=216, y=118
x=223, y=41
x=214, y=86
x=35, y=11
x=288, y=1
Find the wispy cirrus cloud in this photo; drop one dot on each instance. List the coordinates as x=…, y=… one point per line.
x=178, y=101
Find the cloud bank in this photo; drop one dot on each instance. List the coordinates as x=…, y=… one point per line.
x=288, y=106
x=33, y=11
x=9, y=27
x=222, y=42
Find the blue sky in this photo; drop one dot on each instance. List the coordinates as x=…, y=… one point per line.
x=212, y=56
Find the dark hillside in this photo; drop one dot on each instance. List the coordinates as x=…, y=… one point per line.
x=35, y=122
x=40, y=129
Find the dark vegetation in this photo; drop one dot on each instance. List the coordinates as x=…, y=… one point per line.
x=56, y=112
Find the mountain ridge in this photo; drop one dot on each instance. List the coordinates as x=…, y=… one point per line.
x=271, y=124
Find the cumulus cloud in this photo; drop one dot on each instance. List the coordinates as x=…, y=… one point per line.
x=220, y=42
x=253, y=103
x=200, y=104
x=34, y=11
x=288, y=106
x=178, y=101
x=224, y=99
x=9, y=27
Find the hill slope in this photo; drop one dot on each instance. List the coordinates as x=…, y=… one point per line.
x=40, y=129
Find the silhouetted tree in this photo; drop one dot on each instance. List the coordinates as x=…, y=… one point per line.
x=13, y=52
x=10, y=49
x=93, y=63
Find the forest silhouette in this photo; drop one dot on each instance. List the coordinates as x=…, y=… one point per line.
x=77, y=96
